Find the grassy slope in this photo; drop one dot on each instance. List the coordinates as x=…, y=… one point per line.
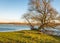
x=27, y=36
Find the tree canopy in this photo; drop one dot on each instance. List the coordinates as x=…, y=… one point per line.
x=41, y=11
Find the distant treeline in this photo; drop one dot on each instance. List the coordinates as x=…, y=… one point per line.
x=52, y=24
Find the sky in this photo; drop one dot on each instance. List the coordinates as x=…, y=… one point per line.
x=12, y=10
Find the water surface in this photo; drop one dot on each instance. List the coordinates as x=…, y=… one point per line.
x=10, y=27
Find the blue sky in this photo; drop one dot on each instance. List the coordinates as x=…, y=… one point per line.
x=12, y=10
x=56, y=5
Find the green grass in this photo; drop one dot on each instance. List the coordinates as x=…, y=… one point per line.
x=27, y=36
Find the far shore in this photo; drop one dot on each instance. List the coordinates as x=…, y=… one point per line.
x=19, y=23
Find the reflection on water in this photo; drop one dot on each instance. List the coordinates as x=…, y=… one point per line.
x=54, y=31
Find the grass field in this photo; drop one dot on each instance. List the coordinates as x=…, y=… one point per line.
x=27, y=36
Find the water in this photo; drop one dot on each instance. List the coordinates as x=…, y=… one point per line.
x=54, y=31
x=10, y=27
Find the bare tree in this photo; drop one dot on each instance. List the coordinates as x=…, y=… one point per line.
x=41, y=11
x=46, y=12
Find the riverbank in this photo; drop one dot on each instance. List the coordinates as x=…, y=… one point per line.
x=27, y=36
